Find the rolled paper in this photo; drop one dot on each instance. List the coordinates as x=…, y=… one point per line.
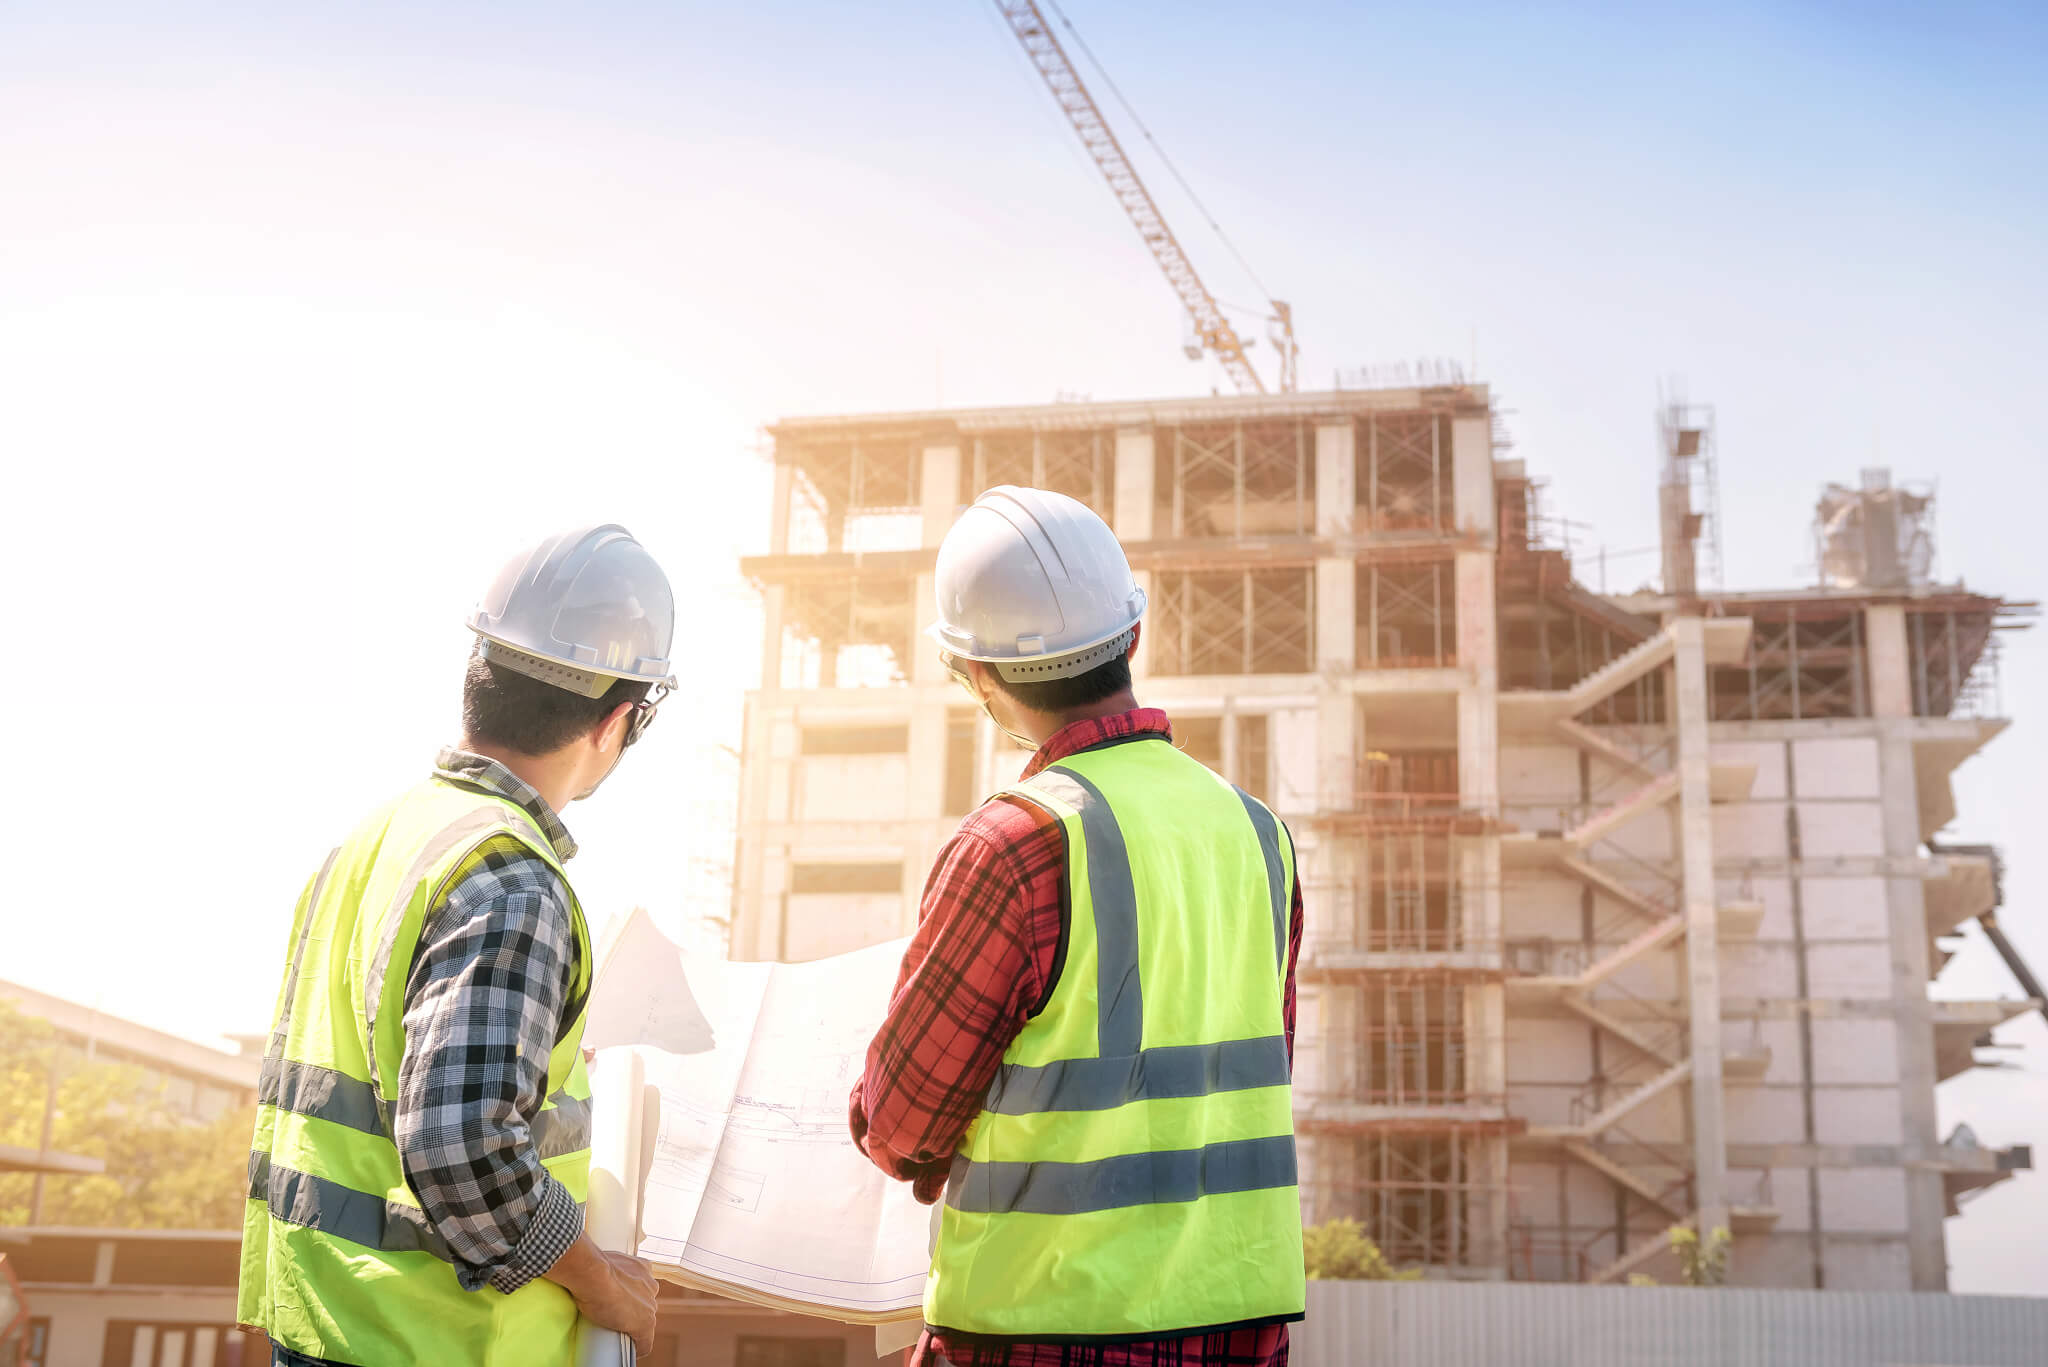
x=618, y=1083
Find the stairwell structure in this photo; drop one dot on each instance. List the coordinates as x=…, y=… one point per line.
x=1618, y=911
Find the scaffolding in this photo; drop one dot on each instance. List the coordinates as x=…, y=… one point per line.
x=1408, y=615
x=1406, y=472
x=1243, y=621
x=846, y=632
x=1409, y=1048
x=1809, y=658
x=852, y=494
x=1078, y=463
x=1422, y=1197
x=1688, y=499
x=1235, y=479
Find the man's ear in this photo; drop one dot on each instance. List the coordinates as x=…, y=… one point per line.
x=611, y=732
x=984, y=676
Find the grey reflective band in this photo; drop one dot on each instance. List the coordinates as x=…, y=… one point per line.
x=1119, y=998
x=564, y=1128
x=1101, y=1084
x=299, y=1198
x=1268, y=827
x=1136, y=1179
x=322, y=1093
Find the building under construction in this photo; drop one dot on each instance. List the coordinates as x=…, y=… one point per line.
x=1622, y=911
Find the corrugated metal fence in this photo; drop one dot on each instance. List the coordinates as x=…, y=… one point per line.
x=1454, y=1324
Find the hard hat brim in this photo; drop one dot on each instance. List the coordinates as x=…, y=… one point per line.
x=967, y=650
x=587, y=680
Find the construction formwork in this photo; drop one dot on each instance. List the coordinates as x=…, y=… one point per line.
x=1620, y=908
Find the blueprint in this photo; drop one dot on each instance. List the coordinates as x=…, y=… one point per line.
x=754, y=1188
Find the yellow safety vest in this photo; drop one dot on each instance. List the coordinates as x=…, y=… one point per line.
x=338, y=1260
x=1132, y=1173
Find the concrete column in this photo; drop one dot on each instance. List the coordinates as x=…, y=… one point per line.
x=1336, y=479
x=925, y=793
x=1702, y=939
x=1132, y=518
x=771, y=637
x=1134, y=488
x=939, y=498
x=778, y=512
x=749, y=904
x=924, y=801
x=1479, y=879
x=1479, y=693
x=1890, y=663
x=1906, y=908
x=1472, y=475
x=1336, y=626
x=939, y=495
x=925, y=667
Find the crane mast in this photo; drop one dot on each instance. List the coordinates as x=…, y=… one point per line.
x=1211, y=327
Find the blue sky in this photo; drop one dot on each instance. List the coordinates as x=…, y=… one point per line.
x=306, y=317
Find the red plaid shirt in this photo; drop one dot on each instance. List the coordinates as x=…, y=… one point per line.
x=983, y=959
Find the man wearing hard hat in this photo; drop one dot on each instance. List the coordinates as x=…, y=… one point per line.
x=422, y=1148
x=1087, y=1056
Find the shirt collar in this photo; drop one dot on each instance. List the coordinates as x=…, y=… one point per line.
x=487, y=775
x=1084, y=735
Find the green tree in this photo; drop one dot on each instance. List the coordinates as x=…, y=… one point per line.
x=1700, y=1263
x=164, y=1171
x=1339, y=1251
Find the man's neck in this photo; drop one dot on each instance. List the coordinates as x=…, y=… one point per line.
x=548, y=775
x=1113, y=706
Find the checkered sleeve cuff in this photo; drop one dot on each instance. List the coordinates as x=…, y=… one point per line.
x=557, y=1220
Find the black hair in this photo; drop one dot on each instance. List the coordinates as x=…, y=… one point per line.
x=1064, y=695
x=505, y=708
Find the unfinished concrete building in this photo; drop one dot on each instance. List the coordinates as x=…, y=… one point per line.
x=1622, y=911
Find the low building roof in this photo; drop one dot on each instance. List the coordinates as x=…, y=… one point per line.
x=13, y=1158
x=159, y=1048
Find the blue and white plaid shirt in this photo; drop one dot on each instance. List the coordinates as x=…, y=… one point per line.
x=486, y=1000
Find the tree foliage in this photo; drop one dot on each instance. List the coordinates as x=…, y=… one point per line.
x=164, y=1170
x=1700, y=1262
x=1339, y=1251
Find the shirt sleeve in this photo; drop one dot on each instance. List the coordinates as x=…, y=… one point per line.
x=969, y=982
x=484, y=1003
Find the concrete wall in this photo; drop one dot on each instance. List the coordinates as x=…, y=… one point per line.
x=1824, y=1136
x=1810, y=844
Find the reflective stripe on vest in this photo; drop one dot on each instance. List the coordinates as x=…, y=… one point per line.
x=310, y=1090
x=338, y=1260
x=1147, y=1235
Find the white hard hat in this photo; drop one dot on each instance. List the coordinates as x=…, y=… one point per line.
x=580, y=610
x=1035, y=584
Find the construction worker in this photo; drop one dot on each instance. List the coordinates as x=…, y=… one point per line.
x=1089, y=1048
x=422, y=1148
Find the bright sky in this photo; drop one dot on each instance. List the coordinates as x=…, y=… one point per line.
x=305, y=321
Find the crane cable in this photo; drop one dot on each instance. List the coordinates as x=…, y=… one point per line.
x=1172, y=170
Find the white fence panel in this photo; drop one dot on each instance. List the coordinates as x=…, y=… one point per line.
x=1453, y=1324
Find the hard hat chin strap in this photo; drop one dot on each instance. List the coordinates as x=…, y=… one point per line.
x=610, y=769
x=960, y=677
x=637, y=722
x=1021, y=742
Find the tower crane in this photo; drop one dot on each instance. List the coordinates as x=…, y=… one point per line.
x=1212, y=330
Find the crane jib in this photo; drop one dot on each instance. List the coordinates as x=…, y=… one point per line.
x=1215, y=331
